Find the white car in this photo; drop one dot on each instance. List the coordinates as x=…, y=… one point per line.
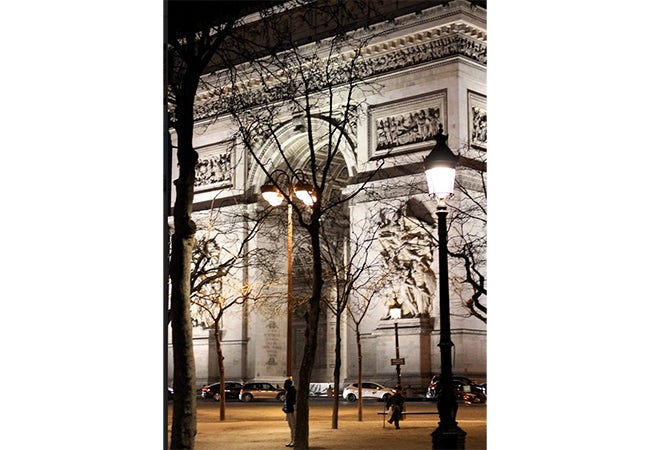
x=368, y=390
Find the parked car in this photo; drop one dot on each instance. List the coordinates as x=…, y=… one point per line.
x=465, y=389
x=232, y=389
x=261, y=391
x=368, y=390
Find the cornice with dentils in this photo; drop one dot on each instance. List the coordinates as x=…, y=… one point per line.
x=399, y=53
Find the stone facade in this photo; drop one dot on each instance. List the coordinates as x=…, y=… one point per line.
x=431, y=67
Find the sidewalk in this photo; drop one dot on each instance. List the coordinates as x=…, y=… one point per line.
x=261, y=427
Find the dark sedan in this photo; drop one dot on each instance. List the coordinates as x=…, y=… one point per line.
x=464, y=388
x=211, y=391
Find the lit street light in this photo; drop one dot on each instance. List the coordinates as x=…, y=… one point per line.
x=440, y=169
x=272, y=194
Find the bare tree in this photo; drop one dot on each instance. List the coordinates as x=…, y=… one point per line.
x=367, y=288
x=469, y=244
x=347, y=257
x=309, y=90
x=195, y=30
x=222, y=250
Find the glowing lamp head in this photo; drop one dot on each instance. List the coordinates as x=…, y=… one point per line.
x=395, y=310
x=305, y=194
x=271, y=194
x=440, y=168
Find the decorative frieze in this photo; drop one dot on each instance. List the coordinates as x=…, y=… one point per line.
x=425, y=47
x=214, y=168
x=402, y=129
x=477, y=120
x=406, y=124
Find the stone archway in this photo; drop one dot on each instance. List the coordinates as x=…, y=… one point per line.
x=296, y=153
x=296, y=150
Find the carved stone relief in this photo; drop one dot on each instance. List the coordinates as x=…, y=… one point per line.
x=406, y=123
x=477, y=119
x=214, y=168
x=408, y=252
x=402, y=129
x=271, y=345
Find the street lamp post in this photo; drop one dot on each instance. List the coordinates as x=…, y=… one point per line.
x=440, y=169
x=271, y=193
x=395, y=311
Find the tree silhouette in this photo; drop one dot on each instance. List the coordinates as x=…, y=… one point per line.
x=309, y=91
x=348, y=261
x=195, y=30
x=221, y=253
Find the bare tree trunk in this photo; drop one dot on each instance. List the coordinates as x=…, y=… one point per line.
x=222, y=375
x=311, y=340
x=187, y=58
x=337, y=371
x=359, y=375
x=184, y=418
x=184, y=410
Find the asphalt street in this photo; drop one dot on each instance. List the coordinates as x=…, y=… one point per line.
x=260, y=425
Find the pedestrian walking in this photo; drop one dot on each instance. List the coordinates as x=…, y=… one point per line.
x=395, y=406
x=289, y=409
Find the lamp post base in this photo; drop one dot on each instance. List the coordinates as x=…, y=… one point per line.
x=450, y=438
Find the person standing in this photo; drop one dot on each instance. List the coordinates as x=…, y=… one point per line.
x=289, y=409
x=395, y=406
